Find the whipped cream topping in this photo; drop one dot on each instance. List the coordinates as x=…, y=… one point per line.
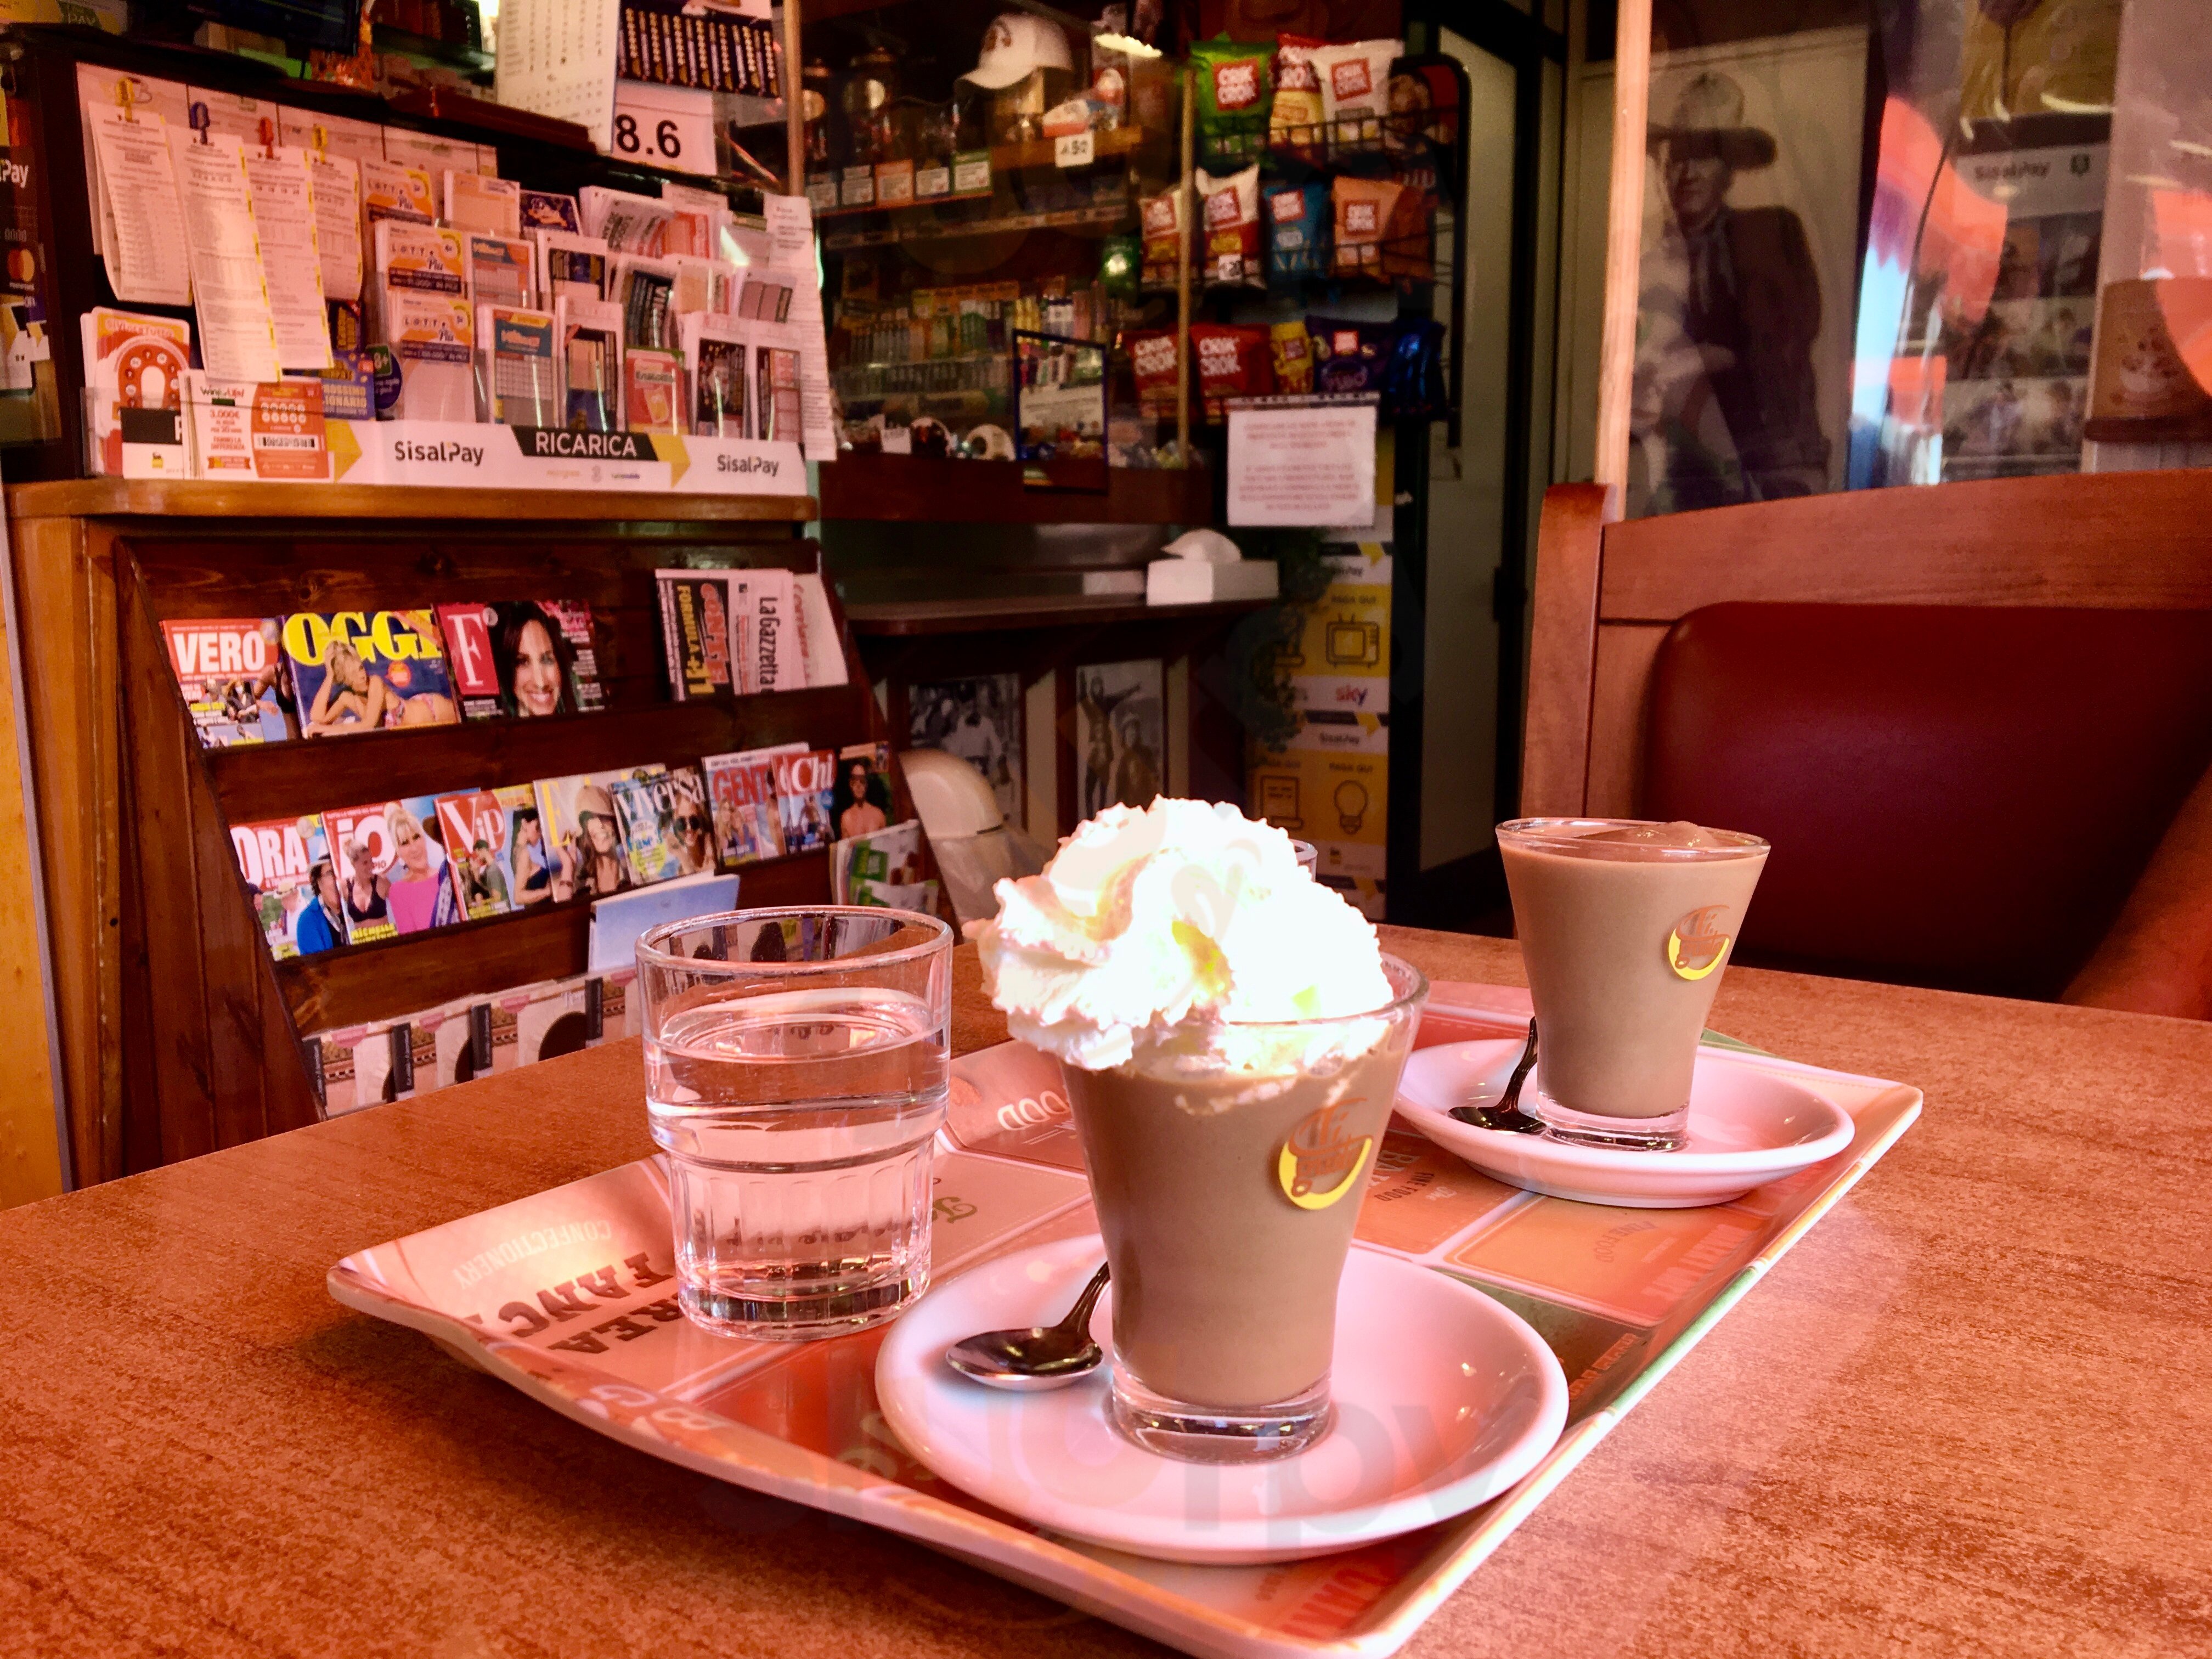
x=1185, y=911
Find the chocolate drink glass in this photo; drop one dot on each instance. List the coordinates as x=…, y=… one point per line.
x=1227, y=1162
x=1625, y=927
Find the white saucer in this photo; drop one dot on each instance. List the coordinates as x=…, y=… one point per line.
x=1747, y=1127
x=1444, y=1400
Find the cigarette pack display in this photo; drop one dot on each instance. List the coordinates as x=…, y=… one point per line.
x=501, y=269
x=653, y=390
x=546, y=210
x=717, y=350
x=741, y=792
x=355, y=671
x=433, y=345
x=282, y=861
x=391, y=875
x=231, y=674
x=590, y=334
x=695, y=631
x=628, y=223
x=806, y=784
x=571, y=266
x=476, y=201
x=391, y=191
x=135, y=392
x=520, y=371
x=645, y=289
x=473, y=827
x=665, y=828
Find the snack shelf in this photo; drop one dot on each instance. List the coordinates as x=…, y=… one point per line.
x=909, y=229
x=862, y=485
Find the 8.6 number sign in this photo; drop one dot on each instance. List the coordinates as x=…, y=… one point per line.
x=664, y=126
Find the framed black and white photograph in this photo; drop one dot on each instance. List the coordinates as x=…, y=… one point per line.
x=1121, y=735
x=979, y=719
x=1742, y=383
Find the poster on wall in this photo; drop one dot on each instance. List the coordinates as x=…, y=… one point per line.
x=1121, y=735
x=1331, y=784
x=1742, y=381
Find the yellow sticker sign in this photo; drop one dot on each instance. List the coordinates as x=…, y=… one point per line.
x=1319, y=1163
x=1696, y=946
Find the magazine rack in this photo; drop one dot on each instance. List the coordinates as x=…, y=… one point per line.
x=179, y=1035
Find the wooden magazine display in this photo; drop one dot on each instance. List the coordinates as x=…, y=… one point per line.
x=180, y=1034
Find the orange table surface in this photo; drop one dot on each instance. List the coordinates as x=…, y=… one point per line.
x=1968, y=1414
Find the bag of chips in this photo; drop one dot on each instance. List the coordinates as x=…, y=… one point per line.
x=1159, y=219
x=1413, y=381
x=1235, y=85
x=1297, y=232
x=1363, y=207
x=1290, y=351
x=1229, y=211
x=1355, y=90
x=1153, y=365
x=1406, y=239
x=1294, y=121
x=1350, y=357
x=1231, y=362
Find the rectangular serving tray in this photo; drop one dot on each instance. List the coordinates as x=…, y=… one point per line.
x=569, y=1295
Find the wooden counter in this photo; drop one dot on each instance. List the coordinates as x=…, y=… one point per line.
x=1967, y=1415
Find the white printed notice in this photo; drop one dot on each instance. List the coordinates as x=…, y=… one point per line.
x=791, y=248
x=238, y=334
x=291, y=262
x=336, y=182
x=146, y=260
x=556, y=57
x=1312, y=465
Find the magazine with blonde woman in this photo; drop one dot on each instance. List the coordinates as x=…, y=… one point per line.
x=358, y=670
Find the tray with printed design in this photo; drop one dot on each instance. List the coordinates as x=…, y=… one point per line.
x=569, y=1297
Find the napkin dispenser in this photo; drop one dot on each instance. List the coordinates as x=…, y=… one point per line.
x=1203, y=567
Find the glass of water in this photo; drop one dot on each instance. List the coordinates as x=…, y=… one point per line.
x=795, y=1073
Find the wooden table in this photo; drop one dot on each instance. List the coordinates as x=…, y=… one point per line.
x=1969, y=1414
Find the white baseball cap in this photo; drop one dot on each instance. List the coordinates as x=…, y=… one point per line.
x=1014, y=45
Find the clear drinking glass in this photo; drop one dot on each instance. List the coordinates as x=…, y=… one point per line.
x=795, y=1074
x=1227, y=1162
x=1623, y=935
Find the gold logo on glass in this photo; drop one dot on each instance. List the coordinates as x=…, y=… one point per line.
x=1697, y=945
x=1319, y=1163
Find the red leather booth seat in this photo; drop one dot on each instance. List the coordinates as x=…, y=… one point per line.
x=1958, y=796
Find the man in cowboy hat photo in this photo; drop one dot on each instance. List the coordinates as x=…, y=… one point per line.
x=1749, y=304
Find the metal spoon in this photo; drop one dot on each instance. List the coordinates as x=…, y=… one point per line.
x=1041, y=1356
x=1507, y=1116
